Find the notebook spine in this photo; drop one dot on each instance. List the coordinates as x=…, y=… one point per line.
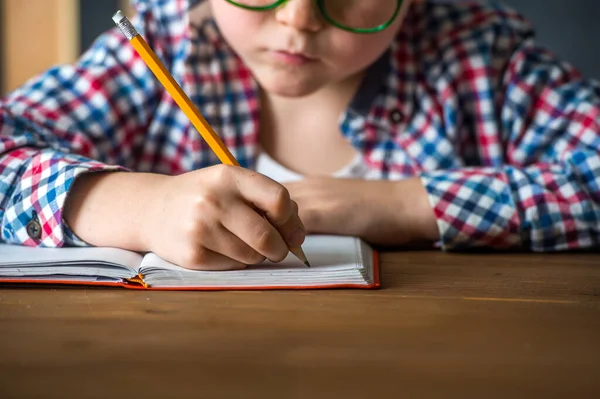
x=139, y=280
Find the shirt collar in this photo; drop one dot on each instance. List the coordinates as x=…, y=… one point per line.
x=367, y=92
x=386, y=97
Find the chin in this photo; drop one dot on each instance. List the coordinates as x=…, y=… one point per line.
x=291, y=92
x=290, y=88
x=288, y=84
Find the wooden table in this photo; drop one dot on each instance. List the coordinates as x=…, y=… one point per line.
x=443, y=325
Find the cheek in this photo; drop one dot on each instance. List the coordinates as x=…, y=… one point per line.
x=236, y=24
x=352, y=52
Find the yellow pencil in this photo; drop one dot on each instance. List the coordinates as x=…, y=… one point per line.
x=183, y=101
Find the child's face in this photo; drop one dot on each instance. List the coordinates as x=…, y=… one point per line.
x=293, y=51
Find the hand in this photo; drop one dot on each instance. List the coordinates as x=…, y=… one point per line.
x=211, y=219
x=381, y=212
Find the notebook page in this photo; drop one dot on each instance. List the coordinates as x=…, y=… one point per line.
x=60, y=260
x=63, y=277
x=334, y=259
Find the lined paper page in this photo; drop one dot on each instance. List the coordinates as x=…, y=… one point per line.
x=12, y=256
x=334, y=259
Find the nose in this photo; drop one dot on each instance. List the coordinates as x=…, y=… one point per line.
x=300, y=14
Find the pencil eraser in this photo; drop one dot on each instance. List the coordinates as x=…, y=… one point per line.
x=118, y=17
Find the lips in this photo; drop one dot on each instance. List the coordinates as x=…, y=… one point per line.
x=292, y=58
x=297, y=53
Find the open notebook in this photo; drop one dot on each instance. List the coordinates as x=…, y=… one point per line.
x=337, y=262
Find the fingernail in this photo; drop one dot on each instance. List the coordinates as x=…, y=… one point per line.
x=296, y=238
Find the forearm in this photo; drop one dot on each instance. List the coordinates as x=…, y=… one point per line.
x=111, y=209
x=382, y=212
x=415, y=210
x=397, y=213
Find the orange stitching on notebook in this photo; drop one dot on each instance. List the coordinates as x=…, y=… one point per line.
x=139, y=279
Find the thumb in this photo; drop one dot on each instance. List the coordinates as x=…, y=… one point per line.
x=292, y=230
x=273, y=201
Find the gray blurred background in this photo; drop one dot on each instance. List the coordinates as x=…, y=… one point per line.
x=571, y=28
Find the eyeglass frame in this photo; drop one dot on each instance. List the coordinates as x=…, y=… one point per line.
x=321, y=6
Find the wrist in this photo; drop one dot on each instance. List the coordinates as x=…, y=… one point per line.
x=148, y=206
x=152, y=195
x=102, y=203
x=416, y=211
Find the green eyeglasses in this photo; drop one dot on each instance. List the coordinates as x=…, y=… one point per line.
x=357, y=16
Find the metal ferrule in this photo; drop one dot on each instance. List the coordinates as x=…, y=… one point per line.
x=127, y=28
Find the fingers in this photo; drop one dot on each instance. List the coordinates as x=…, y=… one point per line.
x=225, y=242
x=205, y=259
x=253, y=229
x=293, y=230
x=275, y=203
x=244, y=215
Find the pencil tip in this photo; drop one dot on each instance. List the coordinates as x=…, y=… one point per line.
x=306, y=263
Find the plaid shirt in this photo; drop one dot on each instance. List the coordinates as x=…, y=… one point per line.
x=504, y=136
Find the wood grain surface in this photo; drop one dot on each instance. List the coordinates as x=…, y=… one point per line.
x=443, y=325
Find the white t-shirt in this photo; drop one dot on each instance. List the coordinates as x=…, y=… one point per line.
x=267, y=166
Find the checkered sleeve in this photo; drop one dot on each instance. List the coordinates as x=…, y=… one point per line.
x=72, y=119
x=544, y=194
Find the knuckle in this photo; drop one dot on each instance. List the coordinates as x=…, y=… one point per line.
x=205, y=201
x=196, y=259
x=252, y=257
x=262, y=238
x=280, y=255
x=221, y=171
x=202, y=256
x=198, y=227
x=189, y=259
x=190, y=228
x=204, y=228
x=206, y=207
x=269, y=246
x=213, y=177
x=294, y=207
x=281, y=200
x=282, y=195
x=202, y=259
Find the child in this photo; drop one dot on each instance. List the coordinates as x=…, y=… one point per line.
x=396, y=121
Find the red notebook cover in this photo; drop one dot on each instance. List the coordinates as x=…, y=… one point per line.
x=137, y=283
